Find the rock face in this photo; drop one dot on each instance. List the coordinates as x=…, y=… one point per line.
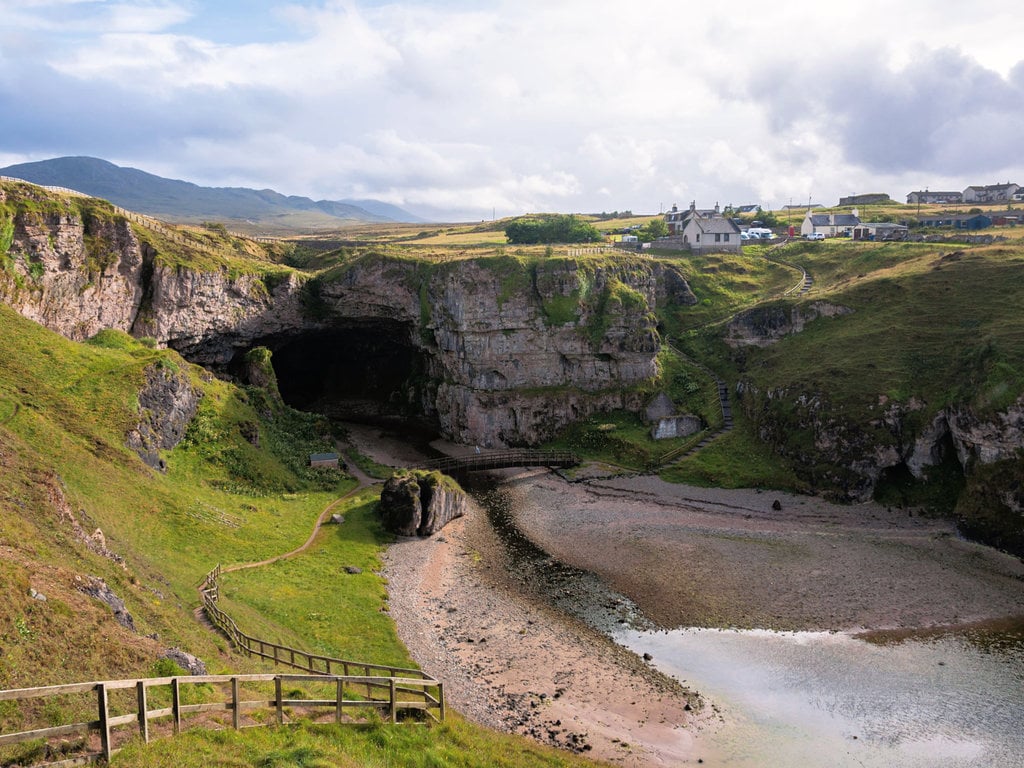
x=766, y=325
x=74, y=273
x=167, y=404
x=846, y=458
x=420, y=503
x=508, y=351
x=97, y=588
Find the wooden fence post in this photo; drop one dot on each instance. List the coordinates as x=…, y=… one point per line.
x=234, y=703
x=440, y=700
x=394, y=706
x=104, y=708
x=176, y=705
x=279, y=700
x=341, y=695
x=140, y=691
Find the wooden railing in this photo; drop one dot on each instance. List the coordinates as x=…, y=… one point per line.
x=479, y=462
x=376, y=677
x=121, y=703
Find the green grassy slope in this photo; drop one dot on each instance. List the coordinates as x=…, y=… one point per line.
x=64, y=411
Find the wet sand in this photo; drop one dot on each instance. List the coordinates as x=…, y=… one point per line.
x=687, y=557
x=693, y=557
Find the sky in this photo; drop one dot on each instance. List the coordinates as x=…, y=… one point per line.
x=462, y=111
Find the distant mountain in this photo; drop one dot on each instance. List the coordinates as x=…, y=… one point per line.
x=183, y=201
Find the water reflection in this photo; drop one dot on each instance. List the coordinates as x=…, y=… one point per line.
x=813, y=699
x=823, y=699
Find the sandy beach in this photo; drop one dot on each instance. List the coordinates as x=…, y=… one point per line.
x=686, y=557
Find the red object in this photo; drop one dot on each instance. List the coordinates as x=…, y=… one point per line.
x=792, y=230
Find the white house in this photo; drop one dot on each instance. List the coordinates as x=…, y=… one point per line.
x=715, y=234
x=993, y=193
x=700, y=230
x=829, y=224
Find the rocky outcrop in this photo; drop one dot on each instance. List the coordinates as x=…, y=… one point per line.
x=766, y=325
x=191, y=664
x=848, y=455
x=97, y=588
x=74, y=273
x=209, y=316
x=167, y=403
x=420, y=503
x=509, y=350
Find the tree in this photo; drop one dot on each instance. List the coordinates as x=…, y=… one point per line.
x=557, y=228
x=654, y=229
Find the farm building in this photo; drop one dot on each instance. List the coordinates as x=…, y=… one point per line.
x=965, y=221
x=324, y=460
x=829, y=224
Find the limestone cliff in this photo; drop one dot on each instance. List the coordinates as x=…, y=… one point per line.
x=507, y=349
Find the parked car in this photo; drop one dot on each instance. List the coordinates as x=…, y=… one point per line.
x=815, y=236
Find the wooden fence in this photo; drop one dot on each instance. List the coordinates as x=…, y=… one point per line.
x=121, y=703
x=301, y=659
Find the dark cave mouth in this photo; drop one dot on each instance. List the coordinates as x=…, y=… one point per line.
x=363, y=372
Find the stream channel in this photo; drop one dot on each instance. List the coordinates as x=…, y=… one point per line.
x=810, y=699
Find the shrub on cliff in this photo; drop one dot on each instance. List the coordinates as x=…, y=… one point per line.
x=551, y=229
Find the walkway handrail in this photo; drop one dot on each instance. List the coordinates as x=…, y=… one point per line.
x=522, y=457
x=133, y=709
x=316, y=664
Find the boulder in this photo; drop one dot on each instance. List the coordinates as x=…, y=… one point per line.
x=191, y=664
x=419, y=503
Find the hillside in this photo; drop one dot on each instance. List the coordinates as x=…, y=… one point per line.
x=899, y=376
x=247, y=210
x=81, y=514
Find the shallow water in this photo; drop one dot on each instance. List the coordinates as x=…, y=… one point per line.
x=811, y=699
x=823, y=699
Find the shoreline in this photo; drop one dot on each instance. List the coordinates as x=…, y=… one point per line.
x=513, y=663
x=699, y=557
x=687, y=557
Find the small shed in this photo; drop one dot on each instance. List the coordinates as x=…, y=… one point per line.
x=324, y=460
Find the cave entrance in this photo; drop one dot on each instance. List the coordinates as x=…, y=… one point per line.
x=364, y=372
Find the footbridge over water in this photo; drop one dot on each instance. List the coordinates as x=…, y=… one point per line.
x=523, y=457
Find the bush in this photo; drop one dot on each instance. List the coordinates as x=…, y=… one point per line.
x=551, y=229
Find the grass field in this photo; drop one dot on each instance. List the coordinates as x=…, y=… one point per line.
x=64, y=410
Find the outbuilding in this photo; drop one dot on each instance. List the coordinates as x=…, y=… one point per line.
x=324, y=460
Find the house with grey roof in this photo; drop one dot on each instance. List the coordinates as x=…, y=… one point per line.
x=934, y=198
x=829, y=224
x=700, y=231
x=872, y=230
x=992, y=193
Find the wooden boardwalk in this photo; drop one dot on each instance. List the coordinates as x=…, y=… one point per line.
x=485, y=460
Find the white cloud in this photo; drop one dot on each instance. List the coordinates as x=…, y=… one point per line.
x=531, y=105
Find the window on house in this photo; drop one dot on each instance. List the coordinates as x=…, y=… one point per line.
x=718, y=237
x=727, y=237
